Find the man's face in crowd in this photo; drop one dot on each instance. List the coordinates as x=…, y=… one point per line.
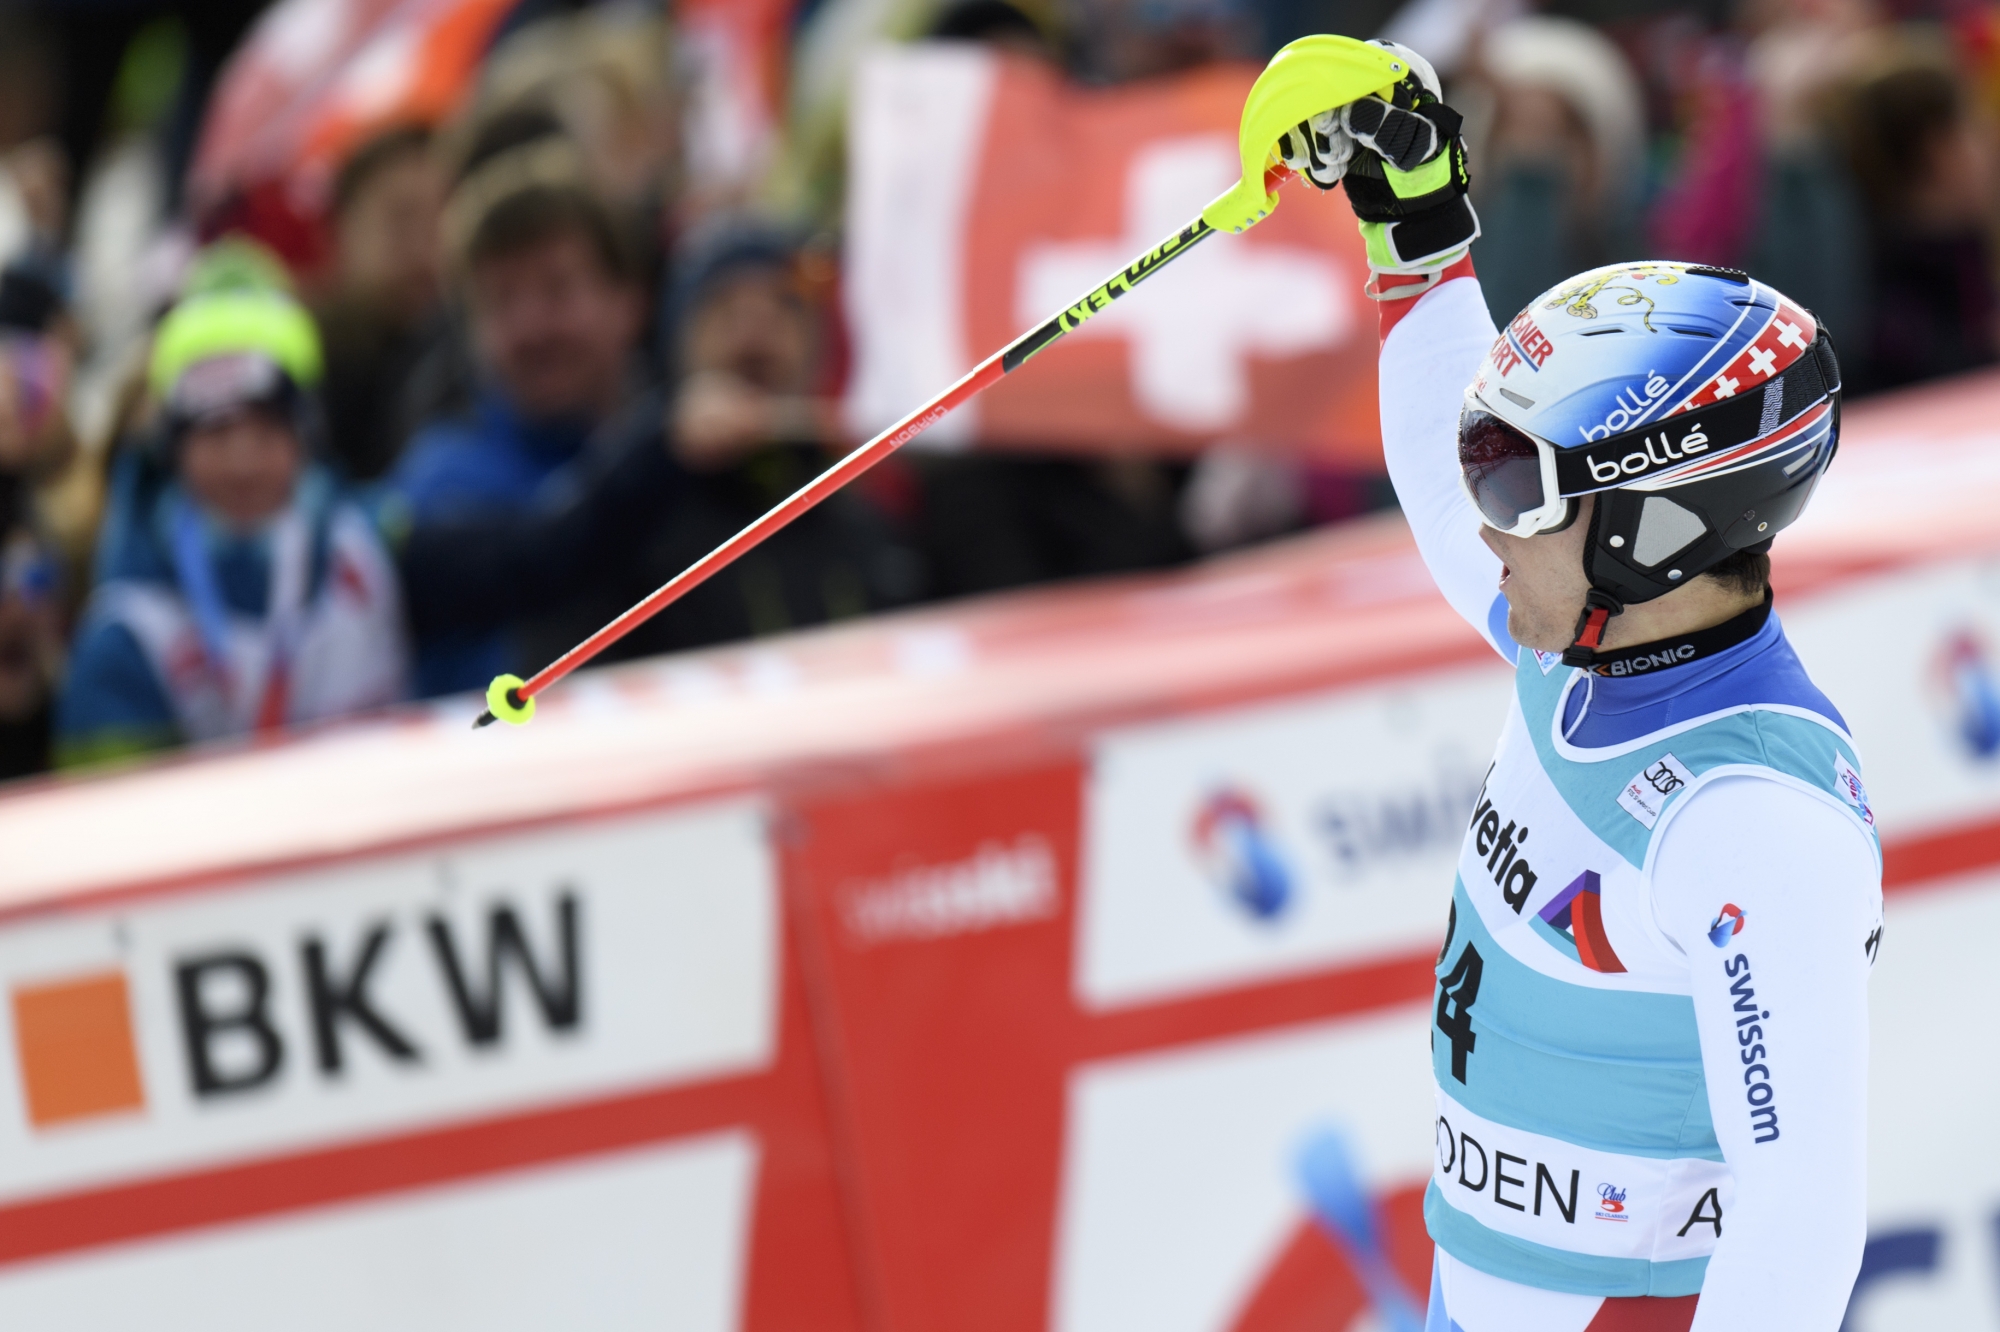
x=242, y=466
x=752, y=325
x=387, y=248
x=553, y=327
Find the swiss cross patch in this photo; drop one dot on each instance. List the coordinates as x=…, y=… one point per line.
x=1783, y=339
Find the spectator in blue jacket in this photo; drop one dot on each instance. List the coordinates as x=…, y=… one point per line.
x=240, y=593
x=555, y=310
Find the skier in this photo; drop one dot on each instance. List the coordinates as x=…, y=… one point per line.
x=1650, y=1035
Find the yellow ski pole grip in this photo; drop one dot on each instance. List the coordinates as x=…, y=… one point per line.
x=504, y=703
x=1310, y=75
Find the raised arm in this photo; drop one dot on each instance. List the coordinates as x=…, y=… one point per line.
x=1431, y=348
x=1401, y=159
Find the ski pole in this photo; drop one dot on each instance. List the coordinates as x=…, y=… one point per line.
x=1304, y=78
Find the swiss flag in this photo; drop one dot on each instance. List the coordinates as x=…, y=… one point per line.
x=315, y=78
x=986, y=193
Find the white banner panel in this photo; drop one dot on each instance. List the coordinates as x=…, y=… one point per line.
x=643, y=1241
x=386, y=995
x=1912, y=660
x=1181, y=1178
x=1256, y=842
x=1934, y=1085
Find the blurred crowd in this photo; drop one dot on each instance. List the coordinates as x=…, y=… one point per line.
x=536, y=356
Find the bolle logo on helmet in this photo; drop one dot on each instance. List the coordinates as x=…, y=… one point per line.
x=1630, y=405
x=1659, y=451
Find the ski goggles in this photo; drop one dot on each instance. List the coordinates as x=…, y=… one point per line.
x=218, y=386
x=1509, y=475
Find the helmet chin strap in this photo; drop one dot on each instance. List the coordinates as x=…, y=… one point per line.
x=1598, y=608
x=1599, y=605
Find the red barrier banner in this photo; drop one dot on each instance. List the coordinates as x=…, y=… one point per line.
x=986, y=193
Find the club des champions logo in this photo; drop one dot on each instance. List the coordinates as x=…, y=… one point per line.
x=1239, y=856
x=1966, y=688
x=1611, y=1203
x=1728, y=924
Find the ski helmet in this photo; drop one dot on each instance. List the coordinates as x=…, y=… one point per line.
x=1699, y=405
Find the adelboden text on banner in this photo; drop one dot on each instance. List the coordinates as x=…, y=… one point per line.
x=986, y=193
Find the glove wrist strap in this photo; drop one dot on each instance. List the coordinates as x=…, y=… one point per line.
x=1421, y=242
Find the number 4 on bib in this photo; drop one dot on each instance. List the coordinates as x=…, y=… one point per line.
x=1457, y=994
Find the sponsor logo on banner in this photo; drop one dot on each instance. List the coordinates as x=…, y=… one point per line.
x=386, y=994
x=1240, y=856
x=1000, y=884
x=1968, y=689
x=1321, y=831
x=1652, y=786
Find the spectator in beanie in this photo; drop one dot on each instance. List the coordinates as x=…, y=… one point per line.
x=555, y=312
x=381, y=310
x=30, y=644
x=246, y=594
